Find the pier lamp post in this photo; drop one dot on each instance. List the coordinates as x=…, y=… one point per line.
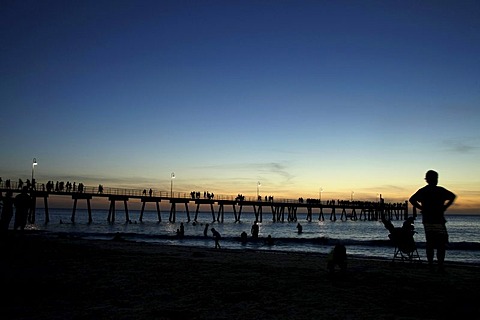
x=172, y=176
x=351, y=197
x=320, y=194
x=34, y=163
x=258, y=185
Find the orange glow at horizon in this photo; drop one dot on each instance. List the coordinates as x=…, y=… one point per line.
x=465, y=203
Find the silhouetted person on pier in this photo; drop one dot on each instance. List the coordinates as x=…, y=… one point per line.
x=7, y=211
x=22, y=205
x=433, y=201
x=205, y=231
x=255, y=230
x=216, y=237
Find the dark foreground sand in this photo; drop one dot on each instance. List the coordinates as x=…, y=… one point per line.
x=62, y=278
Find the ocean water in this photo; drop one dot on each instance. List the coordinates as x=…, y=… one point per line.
x=362, y=238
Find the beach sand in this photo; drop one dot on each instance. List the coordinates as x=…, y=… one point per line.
x=45, y=277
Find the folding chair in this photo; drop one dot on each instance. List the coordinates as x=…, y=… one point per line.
x=405, y=247
x=402, y=238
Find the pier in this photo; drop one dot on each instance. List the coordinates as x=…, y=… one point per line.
x=280, y=210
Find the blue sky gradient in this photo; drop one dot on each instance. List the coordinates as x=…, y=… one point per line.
x=361, y=96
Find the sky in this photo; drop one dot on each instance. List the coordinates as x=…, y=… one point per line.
x=338, y=99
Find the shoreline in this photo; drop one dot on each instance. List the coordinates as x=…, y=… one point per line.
x=173, y=240
x=62, y=277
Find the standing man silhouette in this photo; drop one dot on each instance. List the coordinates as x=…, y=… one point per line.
x=433, y=201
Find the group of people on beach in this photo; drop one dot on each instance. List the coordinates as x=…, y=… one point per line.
x=432, y=200
x=22, y=203
x=255, y=229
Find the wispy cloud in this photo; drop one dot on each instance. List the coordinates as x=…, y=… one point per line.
x=277, y=169
x=260, y=168
x=387, y=187
x=466, y=145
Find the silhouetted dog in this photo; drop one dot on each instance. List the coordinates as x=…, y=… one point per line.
x=337, y=257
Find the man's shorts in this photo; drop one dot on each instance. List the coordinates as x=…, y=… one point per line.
x=436, y=234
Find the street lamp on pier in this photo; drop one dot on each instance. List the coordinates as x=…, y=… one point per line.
x=172, y=176
x=351, y=197
x=258, y=185
x=320, y=194
x=34, y=163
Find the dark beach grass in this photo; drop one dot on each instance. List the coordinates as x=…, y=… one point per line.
x=45, y=277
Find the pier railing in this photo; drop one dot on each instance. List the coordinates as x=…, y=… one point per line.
x=130, y=192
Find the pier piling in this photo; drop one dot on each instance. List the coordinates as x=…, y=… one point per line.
x=157, y=201
x=75, y=197
x=111, y=211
